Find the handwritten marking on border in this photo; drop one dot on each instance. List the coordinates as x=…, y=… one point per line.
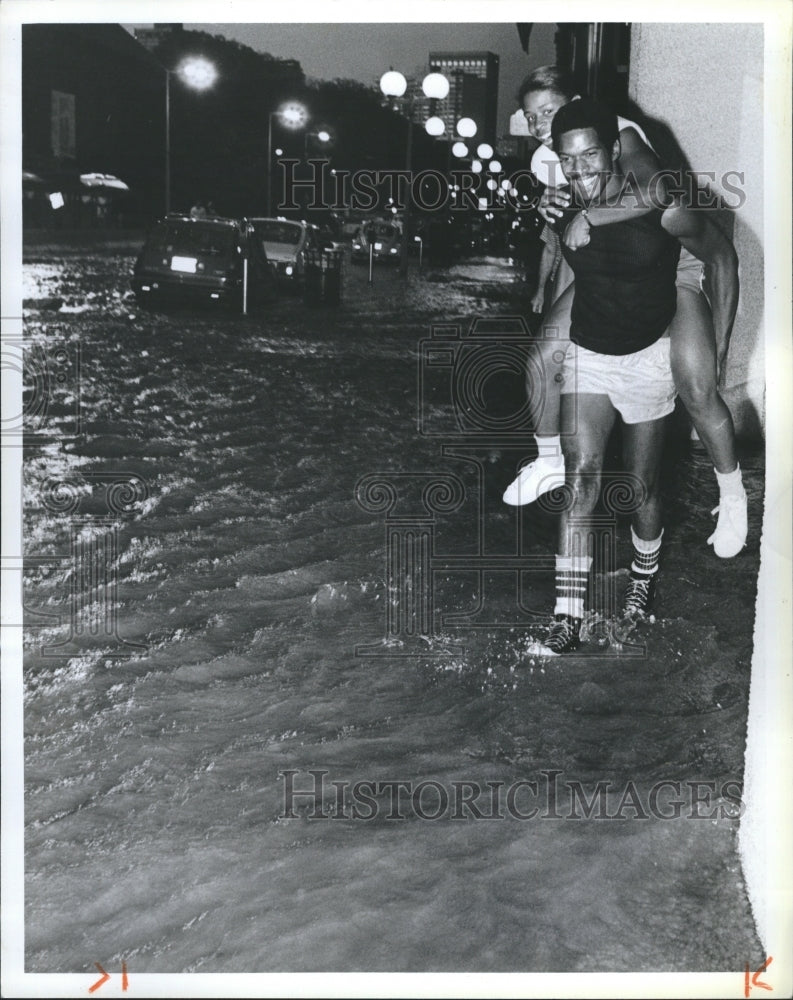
x=99, y=982
x=755, y=981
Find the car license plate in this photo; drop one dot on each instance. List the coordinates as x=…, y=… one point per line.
x=185, y=264
x=378, y=246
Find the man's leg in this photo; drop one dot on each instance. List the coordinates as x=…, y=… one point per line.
x=543, y=382
x=583, y=454
x=694, y=369
x=642, y=452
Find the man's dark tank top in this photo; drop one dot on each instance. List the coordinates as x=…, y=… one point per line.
x=625, y=294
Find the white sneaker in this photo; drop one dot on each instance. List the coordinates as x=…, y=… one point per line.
x=534, y=479
x=731, y=529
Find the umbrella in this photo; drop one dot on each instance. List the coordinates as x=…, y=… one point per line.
x=103, y=181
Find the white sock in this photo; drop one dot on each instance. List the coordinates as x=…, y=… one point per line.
x=549, y=447
x=730, y=483
x=645, y=554
x=572, y=573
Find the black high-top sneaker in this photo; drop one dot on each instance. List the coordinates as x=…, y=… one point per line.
x=563, y=636
x=638, y=595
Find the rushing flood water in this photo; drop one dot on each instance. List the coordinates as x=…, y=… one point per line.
x=240, y=567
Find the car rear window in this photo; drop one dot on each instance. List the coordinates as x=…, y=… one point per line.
x=382, y=229
x=193, y=238
x=278, y=232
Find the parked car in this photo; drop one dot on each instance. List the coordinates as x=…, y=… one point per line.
x=330, y=237
x=381, y=238
x=201, y=259
x=287, y=244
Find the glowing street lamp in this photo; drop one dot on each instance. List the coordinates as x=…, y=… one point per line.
x=436, y=87
x=467, y=128
x=322, y=136
x=291, y=115
x=197, y=73
x=393, y=83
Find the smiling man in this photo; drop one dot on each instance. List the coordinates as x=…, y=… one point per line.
x=618, y=364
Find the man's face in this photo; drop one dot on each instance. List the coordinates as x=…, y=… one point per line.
x=539, y=107
x=585, y=161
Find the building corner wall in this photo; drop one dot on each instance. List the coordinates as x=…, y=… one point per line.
x=706, y=82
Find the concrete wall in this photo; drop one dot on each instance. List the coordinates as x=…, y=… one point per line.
x=705, y=82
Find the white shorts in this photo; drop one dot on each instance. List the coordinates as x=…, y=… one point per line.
x=640, y=385
x=690, y=272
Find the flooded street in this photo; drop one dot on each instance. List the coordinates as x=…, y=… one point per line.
x=280, y=712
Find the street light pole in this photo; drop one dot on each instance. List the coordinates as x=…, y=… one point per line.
x=269, y=162
x=292, y=115
x=394, y=85
x=322, y=136
x=199, y=74
x=167, y=141
x=403, y=260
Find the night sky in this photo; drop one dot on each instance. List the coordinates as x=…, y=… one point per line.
x=365, y=51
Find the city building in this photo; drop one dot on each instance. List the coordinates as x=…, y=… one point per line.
x=473, y=90
x=151, y=38
x=92, y=103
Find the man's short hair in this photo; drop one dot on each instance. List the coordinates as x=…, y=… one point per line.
x=548, y=78
x=585, y=113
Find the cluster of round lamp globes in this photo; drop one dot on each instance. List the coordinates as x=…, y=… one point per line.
x=201, y=74
x=436, y=87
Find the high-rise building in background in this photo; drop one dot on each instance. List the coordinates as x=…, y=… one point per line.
x=473, y=90
x=151, y=37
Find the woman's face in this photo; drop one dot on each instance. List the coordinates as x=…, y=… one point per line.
x=539, y=107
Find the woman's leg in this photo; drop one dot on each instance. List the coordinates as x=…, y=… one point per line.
x=694, y=370
x=543, y=387
x=544, y=372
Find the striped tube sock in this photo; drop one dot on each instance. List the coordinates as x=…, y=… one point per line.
x=572, y=573
x=645, y=554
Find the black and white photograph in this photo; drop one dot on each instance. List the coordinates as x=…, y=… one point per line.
x=397, y=489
